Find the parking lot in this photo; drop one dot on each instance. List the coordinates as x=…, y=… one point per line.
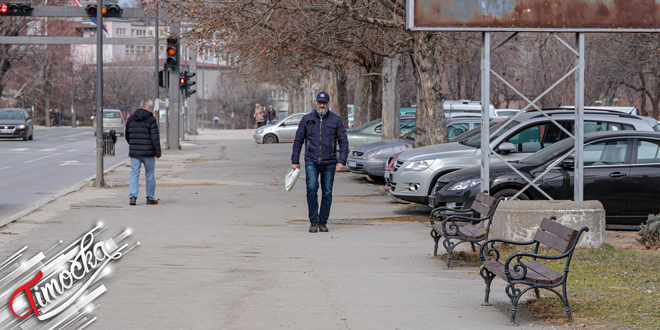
x=227, y=248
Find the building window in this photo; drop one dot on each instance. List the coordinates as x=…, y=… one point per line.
x=121, y=32
x=141, y=50
x=138, y=33
x=130, y=49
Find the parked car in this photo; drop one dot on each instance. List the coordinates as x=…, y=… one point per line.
x=113, y=120
x=16, y=123
x=373, y=131
x=284, y=131
x=507, y=112
x=415, y=171
x=372, y=158
x=621, y=170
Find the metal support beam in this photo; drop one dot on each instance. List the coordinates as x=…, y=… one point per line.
x=578, y=175
x=100, y=181
x=485, y=111
x=60, y=11
x=41, y=40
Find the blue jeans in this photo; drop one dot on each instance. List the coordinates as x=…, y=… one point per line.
x=134, y=183
x=271, y=121
x=327, y=173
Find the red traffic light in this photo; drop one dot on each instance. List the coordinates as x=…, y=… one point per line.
x=16, y=9
x=182, y=81
x=3, y=8
x=172, y=41
x=91, y=10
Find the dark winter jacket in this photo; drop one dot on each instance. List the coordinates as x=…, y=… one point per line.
x=320, y=136
x=142, y=134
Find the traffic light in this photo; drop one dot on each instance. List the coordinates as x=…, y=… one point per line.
x=106, y=10
x=172, y=53
x=185, y=83
x=15, y=9
x=163, y=78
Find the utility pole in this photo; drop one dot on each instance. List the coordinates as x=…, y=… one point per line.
x=203, y=89
x=100, y=181
x=73, y=111
x=33, y=87
x=156, y=52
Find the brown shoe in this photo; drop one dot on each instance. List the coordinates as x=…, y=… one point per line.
x=151, y=201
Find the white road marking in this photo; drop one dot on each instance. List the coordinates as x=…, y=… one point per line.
x=4, y=168
x=19, y=149
x=44, y=157
x=85, y=133
x=46, y=150
x=52, y=139
x=71, y=150
x=74, y=162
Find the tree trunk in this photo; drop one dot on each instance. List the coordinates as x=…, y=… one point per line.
x=643, y=109
x=47, y=101
x=375, y=102
x=342, y=97
x=361, y=106
x=430, y=126
x=391, y=81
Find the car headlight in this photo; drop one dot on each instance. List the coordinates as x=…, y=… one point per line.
x=465, y=184
x=259, y=131
x=370, y=154
x=419, y=165
x=21, y=126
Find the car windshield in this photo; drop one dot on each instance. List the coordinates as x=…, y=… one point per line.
x=361, y=127
x=475, y=139
x=111, y=114
x=11, y=114
x=549, y=153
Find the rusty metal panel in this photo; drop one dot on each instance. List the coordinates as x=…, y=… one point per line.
x=531, y=15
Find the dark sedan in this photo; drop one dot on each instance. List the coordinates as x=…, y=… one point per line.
x=16, y=123
x=621, y=170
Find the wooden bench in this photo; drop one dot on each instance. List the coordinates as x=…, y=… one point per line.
x=532, y=274
x=445, y=224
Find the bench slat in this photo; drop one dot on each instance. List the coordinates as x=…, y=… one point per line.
x=486, y=200
x=536, y=272
x=549, y=275
x=558, y=229
x=480, y=208
x=552, y=241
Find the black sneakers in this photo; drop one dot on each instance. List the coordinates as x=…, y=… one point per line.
x=313, y=227
x=151, y=201
x=323, y=228
x=133, y=201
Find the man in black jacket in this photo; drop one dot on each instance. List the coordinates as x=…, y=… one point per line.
x=144, y=148
x=320, y=131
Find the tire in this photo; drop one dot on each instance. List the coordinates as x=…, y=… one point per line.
x=26, y=137
x=31, y=137
x=509, y=193
x=270, y=139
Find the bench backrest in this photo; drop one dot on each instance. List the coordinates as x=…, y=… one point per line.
x=556, y=235
x=483, y=204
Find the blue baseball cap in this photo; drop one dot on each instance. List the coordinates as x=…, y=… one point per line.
x=323, y=97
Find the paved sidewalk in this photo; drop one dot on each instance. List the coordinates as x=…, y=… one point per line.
x=227, y=248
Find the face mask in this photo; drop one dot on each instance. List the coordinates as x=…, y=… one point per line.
x=321, y=113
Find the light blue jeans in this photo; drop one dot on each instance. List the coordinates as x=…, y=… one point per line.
x=134, y=183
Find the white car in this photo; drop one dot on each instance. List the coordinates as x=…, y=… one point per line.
x=284, y=131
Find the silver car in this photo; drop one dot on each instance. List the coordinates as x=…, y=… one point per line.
x=371, y=158
x=284, y=131
x=415, y=172
x=113, y=120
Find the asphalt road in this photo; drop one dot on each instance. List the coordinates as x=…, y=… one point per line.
x=54, y=162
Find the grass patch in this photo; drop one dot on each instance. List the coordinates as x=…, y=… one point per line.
x=618, y=289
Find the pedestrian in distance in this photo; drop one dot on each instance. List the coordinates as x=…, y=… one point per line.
x=271, y=115
x=144, y=148
x=51, y=117
x=58, y=117
x=319, y=131
x=216, y=120
x=259, y=115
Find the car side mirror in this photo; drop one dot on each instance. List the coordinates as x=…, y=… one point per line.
x=29, y=117
x=568, y=162
x=282, y=124
x=506, y=148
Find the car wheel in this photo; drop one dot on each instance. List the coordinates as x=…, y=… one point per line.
x=31, y=136
x=25, y=138
x=508, y=193
x=270, y=139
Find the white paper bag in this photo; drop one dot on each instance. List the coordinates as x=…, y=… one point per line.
x=291, y=177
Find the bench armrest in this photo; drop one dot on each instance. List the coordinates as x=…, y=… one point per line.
x=440, y=209
x=492, y=251
x=520, y=267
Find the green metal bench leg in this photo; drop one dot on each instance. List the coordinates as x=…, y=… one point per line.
x=514, y=294
x=449, y=246
x=436, y=238
x=473, y=248
x=488, y=277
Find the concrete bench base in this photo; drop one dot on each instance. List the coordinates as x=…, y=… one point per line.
x=518, y=220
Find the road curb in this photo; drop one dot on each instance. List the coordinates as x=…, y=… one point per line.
x=36, y=206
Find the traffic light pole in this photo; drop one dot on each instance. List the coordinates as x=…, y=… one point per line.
x=174, y=109
x=100, y=181
x=192, y=100
x=156, y=52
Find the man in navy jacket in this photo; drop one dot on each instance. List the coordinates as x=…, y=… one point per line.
x=319, y=131
x=144, y=148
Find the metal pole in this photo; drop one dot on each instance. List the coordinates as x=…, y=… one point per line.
x=192, y=100
x=156, y=52
x=146, y=78
x=203, y=89
x=232, y=116
x=33, y=65
x=99, y=182
x=73, y=111
x=579, y=120
x=485, y=111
